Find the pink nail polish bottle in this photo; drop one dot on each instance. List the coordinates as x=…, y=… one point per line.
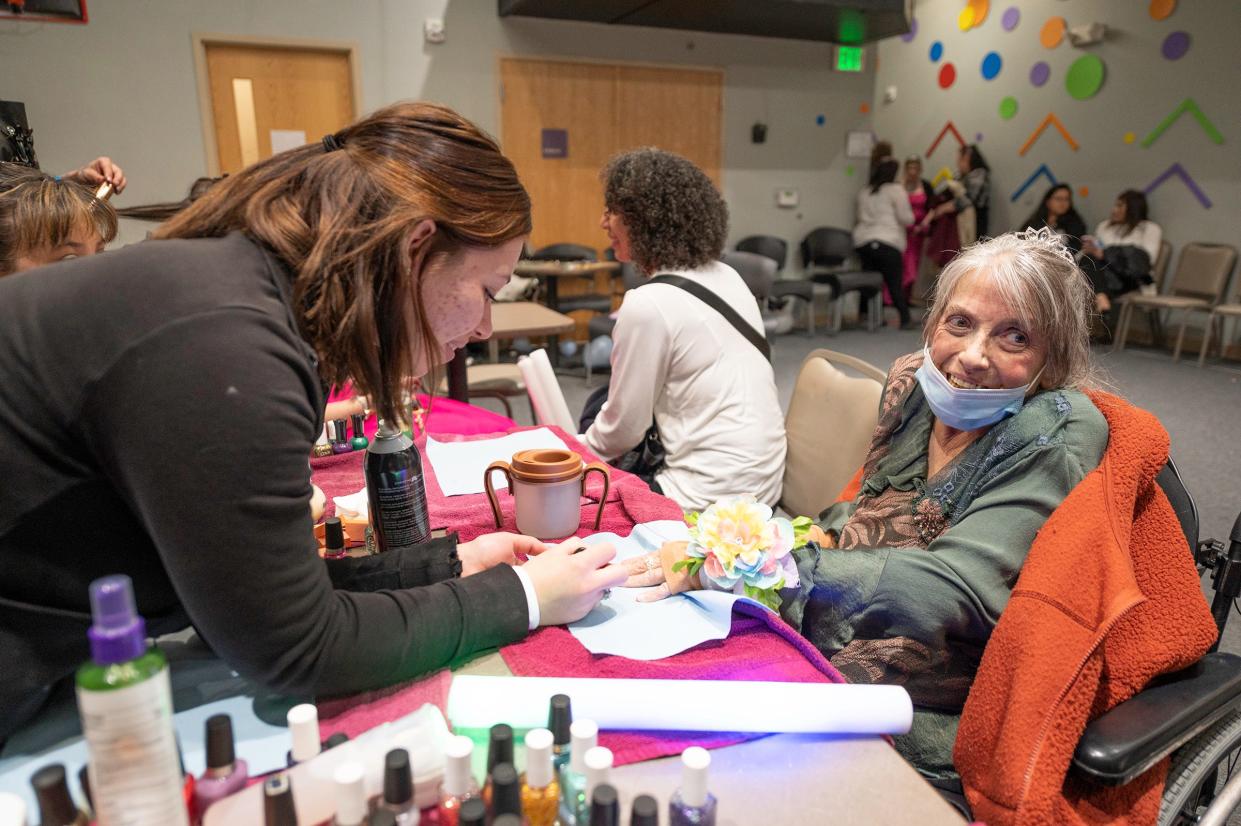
x=225, y=774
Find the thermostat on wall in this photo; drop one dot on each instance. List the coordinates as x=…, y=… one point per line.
x=787, y=198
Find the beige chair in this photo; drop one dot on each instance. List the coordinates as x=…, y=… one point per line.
x=1197, y=286
x=494, y=381
x=1220, y=313
x=1159, y=271
x=829, y=425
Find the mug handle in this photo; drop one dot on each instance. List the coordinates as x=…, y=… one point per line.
x=504, y=468
x=602, y=470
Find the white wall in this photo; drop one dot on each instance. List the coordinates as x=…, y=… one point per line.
x=1141, y=87
x=124, y=85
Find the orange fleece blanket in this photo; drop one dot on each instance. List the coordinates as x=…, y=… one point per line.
x=1107, y=599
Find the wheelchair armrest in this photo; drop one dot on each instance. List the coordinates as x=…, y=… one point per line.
x=1122, y=743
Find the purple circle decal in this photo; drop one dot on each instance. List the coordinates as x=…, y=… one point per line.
x=1176, y=45
x=1012, y=16
x=913, y=31
x=1039, y=73
x=978, y=137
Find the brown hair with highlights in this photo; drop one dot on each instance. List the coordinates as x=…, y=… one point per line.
x=38, y=211
x=340, y=219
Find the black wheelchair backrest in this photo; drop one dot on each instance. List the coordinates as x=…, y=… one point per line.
x=1169, y=479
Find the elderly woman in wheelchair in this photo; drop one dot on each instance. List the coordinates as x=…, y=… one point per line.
x=981, y=438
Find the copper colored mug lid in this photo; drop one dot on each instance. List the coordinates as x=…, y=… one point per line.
x=546, y=465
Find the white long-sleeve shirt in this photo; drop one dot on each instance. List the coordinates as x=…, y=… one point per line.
x=710, y=391
x=1146, y=235
x=882, y=216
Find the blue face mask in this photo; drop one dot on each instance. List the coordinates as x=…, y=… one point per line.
x=964, y=409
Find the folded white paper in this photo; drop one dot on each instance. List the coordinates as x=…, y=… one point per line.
x=353, y=505
x=459, y=466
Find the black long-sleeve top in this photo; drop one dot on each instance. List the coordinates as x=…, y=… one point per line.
x=157, y=411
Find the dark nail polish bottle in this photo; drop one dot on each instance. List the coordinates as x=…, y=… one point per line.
x=225, y=774
x=559, y=719
x=644, y=811
x=359, y=441
x=398, y=796
x=278, y=801
x=333, y=539
x=340, y=436
x=604, y=806
x=505, y=791
x=56, y=806
x=473, y=813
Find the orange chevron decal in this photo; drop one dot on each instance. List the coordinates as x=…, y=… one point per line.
x=948, y=127
x=1050, y=120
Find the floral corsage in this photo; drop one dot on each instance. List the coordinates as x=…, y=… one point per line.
x=737, y=540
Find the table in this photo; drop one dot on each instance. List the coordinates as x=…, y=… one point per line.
x=509, y=319
x=553, y=271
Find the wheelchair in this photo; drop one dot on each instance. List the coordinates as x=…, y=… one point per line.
x=1193, y=715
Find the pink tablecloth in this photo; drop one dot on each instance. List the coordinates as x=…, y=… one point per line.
x=760, y=647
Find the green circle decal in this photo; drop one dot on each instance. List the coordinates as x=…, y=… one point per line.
x=1084, y=77
x=1008, y=107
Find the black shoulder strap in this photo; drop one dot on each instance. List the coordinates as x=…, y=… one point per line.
x=716, y=303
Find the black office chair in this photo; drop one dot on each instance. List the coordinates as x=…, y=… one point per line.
x=826, y=254
x=768, y=246
x=602, y=325
x=759, y=274
x=1194, y=715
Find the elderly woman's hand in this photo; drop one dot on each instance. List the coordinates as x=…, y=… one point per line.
x=654, y=571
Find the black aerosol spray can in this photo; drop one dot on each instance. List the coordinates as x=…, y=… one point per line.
x=395, y=490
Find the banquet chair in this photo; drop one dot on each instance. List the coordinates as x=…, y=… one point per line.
x=829, y=424
x=546, y=397
x=1198, y=285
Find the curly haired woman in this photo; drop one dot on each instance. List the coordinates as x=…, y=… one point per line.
x=710, y=391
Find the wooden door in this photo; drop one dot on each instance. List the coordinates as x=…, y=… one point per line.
x=262, y=95
x=605, y=109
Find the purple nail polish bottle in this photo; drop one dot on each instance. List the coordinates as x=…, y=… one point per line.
x=225, y=774
x=692, y=804
x=340, y=440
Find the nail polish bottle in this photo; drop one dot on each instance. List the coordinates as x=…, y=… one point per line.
x=692, y=804
x=381, y=817
x=304, y=732
x=351, y=804
x=225, y=774
x=499, y=750
x=334, y=541
x=323, y=445
x=506, y=820
x=340, y=441
x=398, y=796
x=359, y=440
x=559, y=718
x=585, y=736
x=598, y=773
x=505, y=791
x=473, y=813
x=334, y=740
x=278, y=801
x=604, y=806
x=12, y=810
x=644, y=811
x=459, y=785
x=56, y=806
x=540, y=793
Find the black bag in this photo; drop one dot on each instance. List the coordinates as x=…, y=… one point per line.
x=16, y=137
x=649, y=456
x=1126, y=268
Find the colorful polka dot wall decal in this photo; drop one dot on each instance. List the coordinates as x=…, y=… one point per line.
x=849, y=170
x=978, y=137
x=1084, y=192
x=1161, y=9
x=965, y=20
x=1085, y=77
x=991, y=65
x=820, y=120
x=1130, y=137
x=1175, y=45
x=913, y=31
x=1052, y=32
x=937, y=51
x=947, y=75
x=980, y=8
x=864, y=108
x=1012, y=16
x=1008, y=108
x=1040, y=73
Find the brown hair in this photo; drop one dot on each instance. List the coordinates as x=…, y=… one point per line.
x=38, y=211
x=338, y=215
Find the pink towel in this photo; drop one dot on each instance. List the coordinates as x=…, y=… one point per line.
x=760, y=647
x=446, y=416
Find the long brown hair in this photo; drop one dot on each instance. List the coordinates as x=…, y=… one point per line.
x=38, y=212
x=338, y=215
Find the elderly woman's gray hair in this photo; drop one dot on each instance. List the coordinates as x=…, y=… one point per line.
x=1035, y=274
x=676, y=218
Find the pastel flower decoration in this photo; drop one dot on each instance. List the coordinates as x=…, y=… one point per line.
x=738, y=541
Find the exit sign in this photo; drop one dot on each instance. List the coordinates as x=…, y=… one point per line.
x=848, y=58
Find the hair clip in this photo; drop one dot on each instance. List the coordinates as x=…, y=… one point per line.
x=331, y=143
